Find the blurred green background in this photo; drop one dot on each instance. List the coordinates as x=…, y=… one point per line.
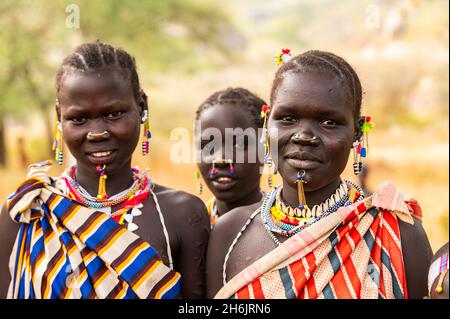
x=187, y=49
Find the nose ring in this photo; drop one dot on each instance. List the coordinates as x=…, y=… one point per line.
x=103, y=134
x=297, y=138
x=213, y=171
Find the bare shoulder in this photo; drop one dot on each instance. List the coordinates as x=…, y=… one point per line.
x=179, y=206
x=4, y=209
x=178, y=197
x=414, y=240
x=417, y=255
x=8, y=228
x=232, y=222
x=8, y=234
x=413, y=232
x=222, y=235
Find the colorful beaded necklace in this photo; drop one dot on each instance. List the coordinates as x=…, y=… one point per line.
x=278, y=220
x=130, y=200
x=317, y=210
x=354, y=194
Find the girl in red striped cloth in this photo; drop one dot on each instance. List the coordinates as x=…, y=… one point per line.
x=316, y=235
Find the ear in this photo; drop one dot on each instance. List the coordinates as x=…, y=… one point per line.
x=143, y=104
x=358, y=131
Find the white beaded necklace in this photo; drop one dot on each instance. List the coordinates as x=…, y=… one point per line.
x=270, y=197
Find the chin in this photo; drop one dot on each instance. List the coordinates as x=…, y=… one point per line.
x=313, y=178
x=227, y=196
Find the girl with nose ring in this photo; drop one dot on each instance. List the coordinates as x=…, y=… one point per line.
x=103, y=229
x=233, y=182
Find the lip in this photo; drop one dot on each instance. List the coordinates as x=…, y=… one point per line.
x=303, y=160
x=98, y=160
x=223, y=182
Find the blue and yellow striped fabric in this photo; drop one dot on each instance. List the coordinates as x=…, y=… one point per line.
x=66, y=250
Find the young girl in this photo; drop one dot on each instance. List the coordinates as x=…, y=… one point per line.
x=316, y=235
x=233, y=184
x=103, y=229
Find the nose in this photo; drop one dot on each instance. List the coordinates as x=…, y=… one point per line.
x=97, y=136
x=305, y=136
x=304, y=140
x=222, y=155
x=97, y=130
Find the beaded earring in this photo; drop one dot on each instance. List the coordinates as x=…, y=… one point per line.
x=361, y=146
x=366, y=126
x=102, y=182
x=199, y=183
x=357, y=164
x=265, y=141
x=57, y=139
x=147, y=134
x=300, y=190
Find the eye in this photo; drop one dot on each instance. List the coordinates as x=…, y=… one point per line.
x=328, y=123
x=288, y=119
x=115, y=115
x=78, y=120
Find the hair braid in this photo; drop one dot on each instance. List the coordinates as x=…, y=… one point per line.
x=321, y=61
x=239, y=97
x=97, y=56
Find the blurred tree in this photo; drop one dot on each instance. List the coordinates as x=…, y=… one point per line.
x=35, y=36
x=25, y=71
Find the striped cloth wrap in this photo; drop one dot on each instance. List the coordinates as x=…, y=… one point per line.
x=66, y=250
x=355, y=252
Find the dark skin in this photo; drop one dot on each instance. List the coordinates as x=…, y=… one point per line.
x=104, y=100
x=310, y=104
x=243, y=187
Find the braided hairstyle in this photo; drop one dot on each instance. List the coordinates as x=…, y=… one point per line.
x=321, y=61
x=96, y=56
x=239, y=97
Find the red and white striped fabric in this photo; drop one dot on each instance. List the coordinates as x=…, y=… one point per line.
x=353, y=253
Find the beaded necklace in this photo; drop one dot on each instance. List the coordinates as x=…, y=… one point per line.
x=317, y=210
x=130, y=200
x=277, y=221
x=82, y=196
x=211, y=206
x=354, y=194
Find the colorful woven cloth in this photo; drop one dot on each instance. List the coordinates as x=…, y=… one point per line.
x=66, y=250
x=353, y=253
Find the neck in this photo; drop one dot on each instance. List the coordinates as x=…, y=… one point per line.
x=253, y=197
x=317, y=197
x=115, y=183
